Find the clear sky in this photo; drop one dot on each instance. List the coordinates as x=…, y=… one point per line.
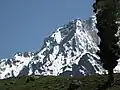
x=25, y=23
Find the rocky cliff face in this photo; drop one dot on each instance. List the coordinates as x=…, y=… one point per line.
x=68, y=51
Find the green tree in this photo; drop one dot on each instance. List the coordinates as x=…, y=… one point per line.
x=108, y=16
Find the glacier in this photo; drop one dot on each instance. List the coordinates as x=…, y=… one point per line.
x=68, y=51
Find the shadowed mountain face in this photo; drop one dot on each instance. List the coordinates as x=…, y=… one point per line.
x=84, y=67
x=68, y=51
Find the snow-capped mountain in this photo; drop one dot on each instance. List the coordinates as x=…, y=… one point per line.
x=68, y=51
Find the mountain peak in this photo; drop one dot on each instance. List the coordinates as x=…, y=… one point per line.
x=69, y=51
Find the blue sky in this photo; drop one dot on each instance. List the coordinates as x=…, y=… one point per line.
x=25, y=23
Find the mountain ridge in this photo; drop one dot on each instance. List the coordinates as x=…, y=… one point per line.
x=68, y=51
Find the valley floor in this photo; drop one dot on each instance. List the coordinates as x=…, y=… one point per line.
x=57, y=83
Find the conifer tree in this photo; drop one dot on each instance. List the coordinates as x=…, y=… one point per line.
x=108, y=16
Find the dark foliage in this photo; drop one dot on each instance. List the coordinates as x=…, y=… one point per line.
x=28, y=79
x=95, y=82
x=107, y=14
x=73, y=85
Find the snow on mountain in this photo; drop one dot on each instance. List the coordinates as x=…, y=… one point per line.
x=68, y=51
x=12, y=67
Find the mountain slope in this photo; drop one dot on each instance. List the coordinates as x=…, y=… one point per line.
x=68, y=51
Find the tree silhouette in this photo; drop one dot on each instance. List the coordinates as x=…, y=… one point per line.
x=108, y=15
